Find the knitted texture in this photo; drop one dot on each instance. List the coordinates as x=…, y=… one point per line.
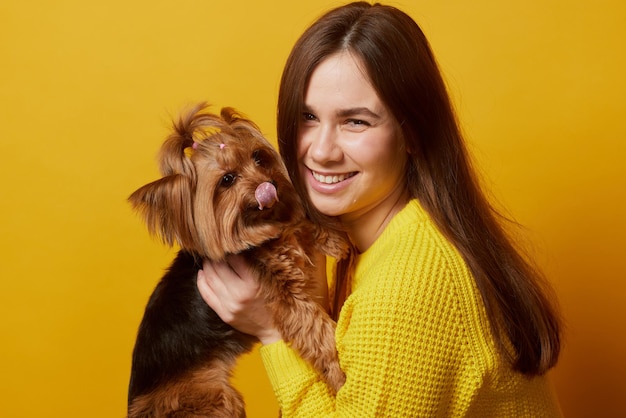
x=413, y=339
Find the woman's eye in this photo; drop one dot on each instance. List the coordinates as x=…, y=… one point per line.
x=308, y=116
x=228, y=180
x=357, y=122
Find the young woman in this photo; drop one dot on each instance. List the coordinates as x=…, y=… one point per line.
x=442, y=316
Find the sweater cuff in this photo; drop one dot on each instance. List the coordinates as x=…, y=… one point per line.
x=283, y=365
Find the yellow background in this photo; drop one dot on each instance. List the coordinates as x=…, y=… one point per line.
x=86, y=93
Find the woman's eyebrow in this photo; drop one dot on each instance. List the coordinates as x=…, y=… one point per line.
x=357, y=111
x=352, y=111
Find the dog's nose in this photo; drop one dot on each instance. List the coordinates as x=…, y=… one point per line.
x=266, y=195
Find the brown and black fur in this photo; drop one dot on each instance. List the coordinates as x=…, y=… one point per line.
x=205, y=203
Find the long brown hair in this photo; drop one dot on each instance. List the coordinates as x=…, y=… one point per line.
x=404, y=72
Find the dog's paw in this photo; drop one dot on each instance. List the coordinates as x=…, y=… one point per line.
x=333, y=243
x=334, y=376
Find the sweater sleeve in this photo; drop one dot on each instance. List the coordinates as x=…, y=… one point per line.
x=300, y=390
x=401, y=343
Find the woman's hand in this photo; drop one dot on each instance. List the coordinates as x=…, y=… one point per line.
x=233, y=292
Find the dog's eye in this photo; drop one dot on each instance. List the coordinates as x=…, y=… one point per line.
x=228, y=180
x=261, y=158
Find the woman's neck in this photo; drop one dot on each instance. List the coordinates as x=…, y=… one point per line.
x=364, y=228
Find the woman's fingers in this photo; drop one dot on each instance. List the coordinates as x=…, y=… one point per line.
x=206, y=290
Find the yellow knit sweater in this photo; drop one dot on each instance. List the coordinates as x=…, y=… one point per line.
x=413, y=339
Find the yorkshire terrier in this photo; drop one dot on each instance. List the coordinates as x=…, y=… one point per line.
x=224, y=191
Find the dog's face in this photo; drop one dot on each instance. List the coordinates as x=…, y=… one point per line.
x=224, y=187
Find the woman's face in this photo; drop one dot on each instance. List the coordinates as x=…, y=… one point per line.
x=350, y=151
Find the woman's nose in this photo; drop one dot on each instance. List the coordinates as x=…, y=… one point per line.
x=325, y=145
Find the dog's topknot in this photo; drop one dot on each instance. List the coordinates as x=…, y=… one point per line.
x=195, y=126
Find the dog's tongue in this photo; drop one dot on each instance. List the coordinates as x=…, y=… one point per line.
x=266, y=195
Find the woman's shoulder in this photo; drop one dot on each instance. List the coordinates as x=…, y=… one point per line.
x=412, y=246
x=416, y=277
x=414, y=267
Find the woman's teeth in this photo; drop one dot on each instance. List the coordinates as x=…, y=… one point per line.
x=331, y=179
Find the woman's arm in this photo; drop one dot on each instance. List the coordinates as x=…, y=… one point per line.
x=403, y=345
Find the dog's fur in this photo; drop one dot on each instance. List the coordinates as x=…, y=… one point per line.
x=205, y=202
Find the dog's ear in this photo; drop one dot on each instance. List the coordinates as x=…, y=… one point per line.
x=167, y=208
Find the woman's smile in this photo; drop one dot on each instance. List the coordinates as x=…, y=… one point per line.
x=331, y=178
